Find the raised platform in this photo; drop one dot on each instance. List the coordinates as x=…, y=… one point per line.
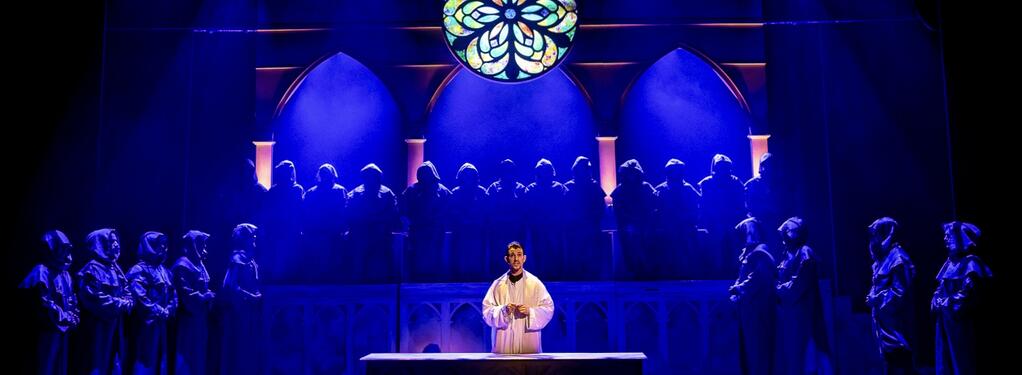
x=486, y=363
x=683, y=327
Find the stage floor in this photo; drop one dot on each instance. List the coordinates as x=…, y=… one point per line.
x=484, y=363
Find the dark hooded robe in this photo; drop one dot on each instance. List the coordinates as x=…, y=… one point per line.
x=467, y=215
x=760, y=194
x=506, y=215
x=753, y=292
x=424, y=205
x=105, y=301
x=55, y=308
x=801, y=335
x=155, y=302
x=585, y=202
x=763, y=200
x=544, y=200
x=282, y=224
x=957, y=302
x=889, y=297
x=324, y=226
x=191, y=281
x=373, y=217
x=244, y=197
x=677, y=213
x=633, y=208
x=242, y=306
x=722, y=205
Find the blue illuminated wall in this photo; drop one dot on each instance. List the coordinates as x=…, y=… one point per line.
x=340, y=112
x=683, y=107
x=483, y=122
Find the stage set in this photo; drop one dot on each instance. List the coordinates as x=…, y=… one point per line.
x=703, y=187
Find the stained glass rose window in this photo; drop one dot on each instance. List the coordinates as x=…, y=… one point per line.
x=510, y=40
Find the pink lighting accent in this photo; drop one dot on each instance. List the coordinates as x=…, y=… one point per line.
x=264, y=162
x=608, y=165
x=416, y=155
x=758, y=143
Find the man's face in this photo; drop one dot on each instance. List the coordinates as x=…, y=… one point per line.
x=874, y=235
x=583, y=172
x=544, y=173
x=200, y=248
x=63, y=256
x=951, y=243
x=160, y=247
x=764, y=169
x=722, y=168
x=371, y=178
x=325, y=176
x=746, y=235
x=507, y=176
x=675, y=173
x=115, y=247
x=515, y=259
x=425, y=175
x=469, y=178
x=787, y=236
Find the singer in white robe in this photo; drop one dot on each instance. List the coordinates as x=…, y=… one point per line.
x=517, y=307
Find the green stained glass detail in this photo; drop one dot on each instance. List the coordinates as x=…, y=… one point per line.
x=510, y=40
